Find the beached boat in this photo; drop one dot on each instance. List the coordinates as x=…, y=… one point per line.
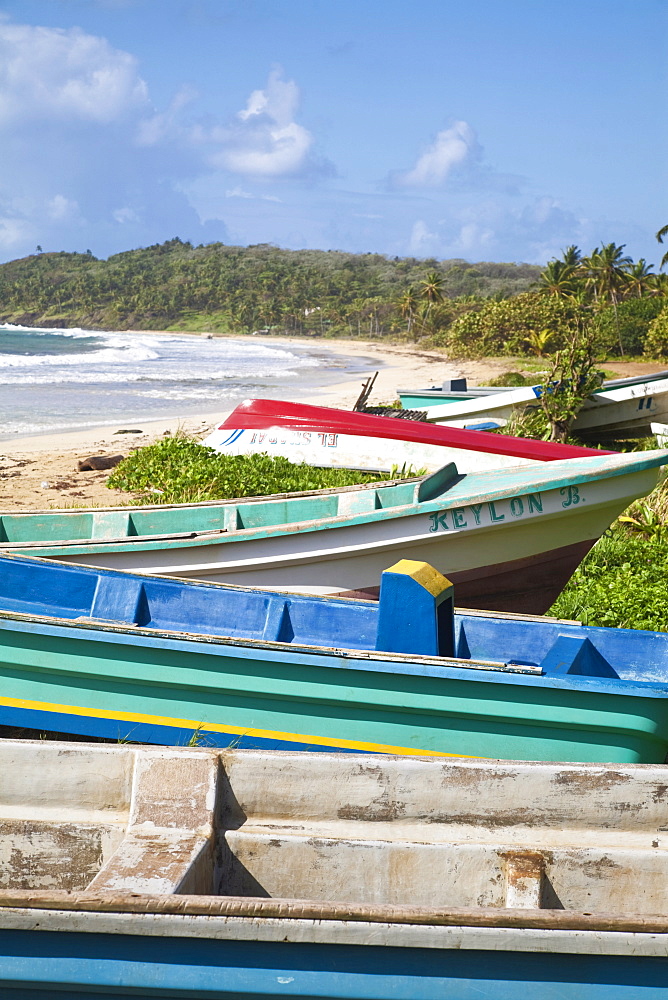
x=457, y=390
x=329, y=438
x=616, y=411
x=126, y=656
x=194, y=873
x=660, y=432
x=509, y=539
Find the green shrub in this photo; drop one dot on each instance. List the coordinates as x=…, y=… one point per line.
x=512, y=378
x=623, y=582
x=503, y=327
x=629, y=322
x=656, y=341
x=179, y=469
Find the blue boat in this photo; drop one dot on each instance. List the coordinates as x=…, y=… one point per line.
x=112, y=654
x=237, y=875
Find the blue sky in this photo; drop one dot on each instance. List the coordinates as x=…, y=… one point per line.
x=488, y=130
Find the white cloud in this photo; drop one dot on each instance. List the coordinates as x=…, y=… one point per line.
x=165, y=125
x=423, y=242
x=62, y=209
x=239, y=192
x=124, y=215
x=451, y=148
x=54, y=73
x=264, y=140
x=14, y=232
x=473, y=238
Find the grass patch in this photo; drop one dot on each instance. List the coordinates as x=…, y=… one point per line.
x=623, y=582
x=179, y=469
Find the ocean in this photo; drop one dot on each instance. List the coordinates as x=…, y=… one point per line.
x=59, y=380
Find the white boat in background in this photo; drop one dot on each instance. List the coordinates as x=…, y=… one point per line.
x=330, y=438
x=660, y=432
x=458, y=390
x=616, y=411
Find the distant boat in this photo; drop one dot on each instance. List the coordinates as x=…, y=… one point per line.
x=458, y=390
x=625, y=410
x=509, y=539
x=660, y=432
x=191, y=873
x=125, y=656
x=330, y=438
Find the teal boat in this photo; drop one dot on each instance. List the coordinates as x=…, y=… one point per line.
x=153, y=660
x=509, y=539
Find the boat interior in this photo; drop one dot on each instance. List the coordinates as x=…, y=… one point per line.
x=335, y=827
x=414, y=618
x=23, y=530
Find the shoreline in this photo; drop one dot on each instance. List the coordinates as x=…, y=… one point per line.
x=39, y=472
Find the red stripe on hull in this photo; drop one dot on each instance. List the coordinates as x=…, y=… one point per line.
x=527, y=586
x=260, y=414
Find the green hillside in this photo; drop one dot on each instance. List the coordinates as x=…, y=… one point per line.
x=175, y=285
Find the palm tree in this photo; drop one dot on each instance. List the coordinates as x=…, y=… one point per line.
x=661, y=233
x=408, y=306
x=539, y=341
x=431, y=293
x=640, y=279
x=558, y=279
x=571, y=256
x=607, y=269
x=432, y=287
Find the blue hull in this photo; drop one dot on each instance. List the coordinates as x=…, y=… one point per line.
x=38, y=965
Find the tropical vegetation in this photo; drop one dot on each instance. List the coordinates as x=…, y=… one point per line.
x=242, y=290
x=467, y=309
x=178, y=469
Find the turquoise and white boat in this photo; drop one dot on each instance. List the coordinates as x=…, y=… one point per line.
x=156, y=873
x=122, y=656
x=509, y=539
x=615, y=410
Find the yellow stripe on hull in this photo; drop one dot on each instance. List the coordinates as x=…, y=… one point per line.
x=198, y=726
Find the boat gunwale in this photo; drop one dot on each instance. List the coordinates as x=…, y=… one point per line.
x=630, y=466
x=297, y=909
x=373, y=661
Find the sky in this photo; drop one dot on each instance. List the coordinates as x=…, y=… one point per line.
x=489, y=130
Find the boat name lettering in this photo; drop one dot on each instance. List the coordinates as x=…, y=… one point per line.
x=459, y=517
x=329, y=440
x=492, y=513
x=572, y=494
x=297, y=439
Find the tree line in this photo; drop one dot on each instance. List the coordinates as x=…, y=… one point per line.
x=469, y=309
x=238, y=289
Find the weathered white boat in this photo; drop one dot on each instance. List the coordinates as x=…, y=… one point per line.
x=660, y=432
x=624, y=411
x=329, y=438
x=457, y=390
x=193, y=873
x=509, y=539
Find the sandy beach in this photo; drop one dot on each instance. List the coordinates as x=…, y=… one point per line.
x=41, y=472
